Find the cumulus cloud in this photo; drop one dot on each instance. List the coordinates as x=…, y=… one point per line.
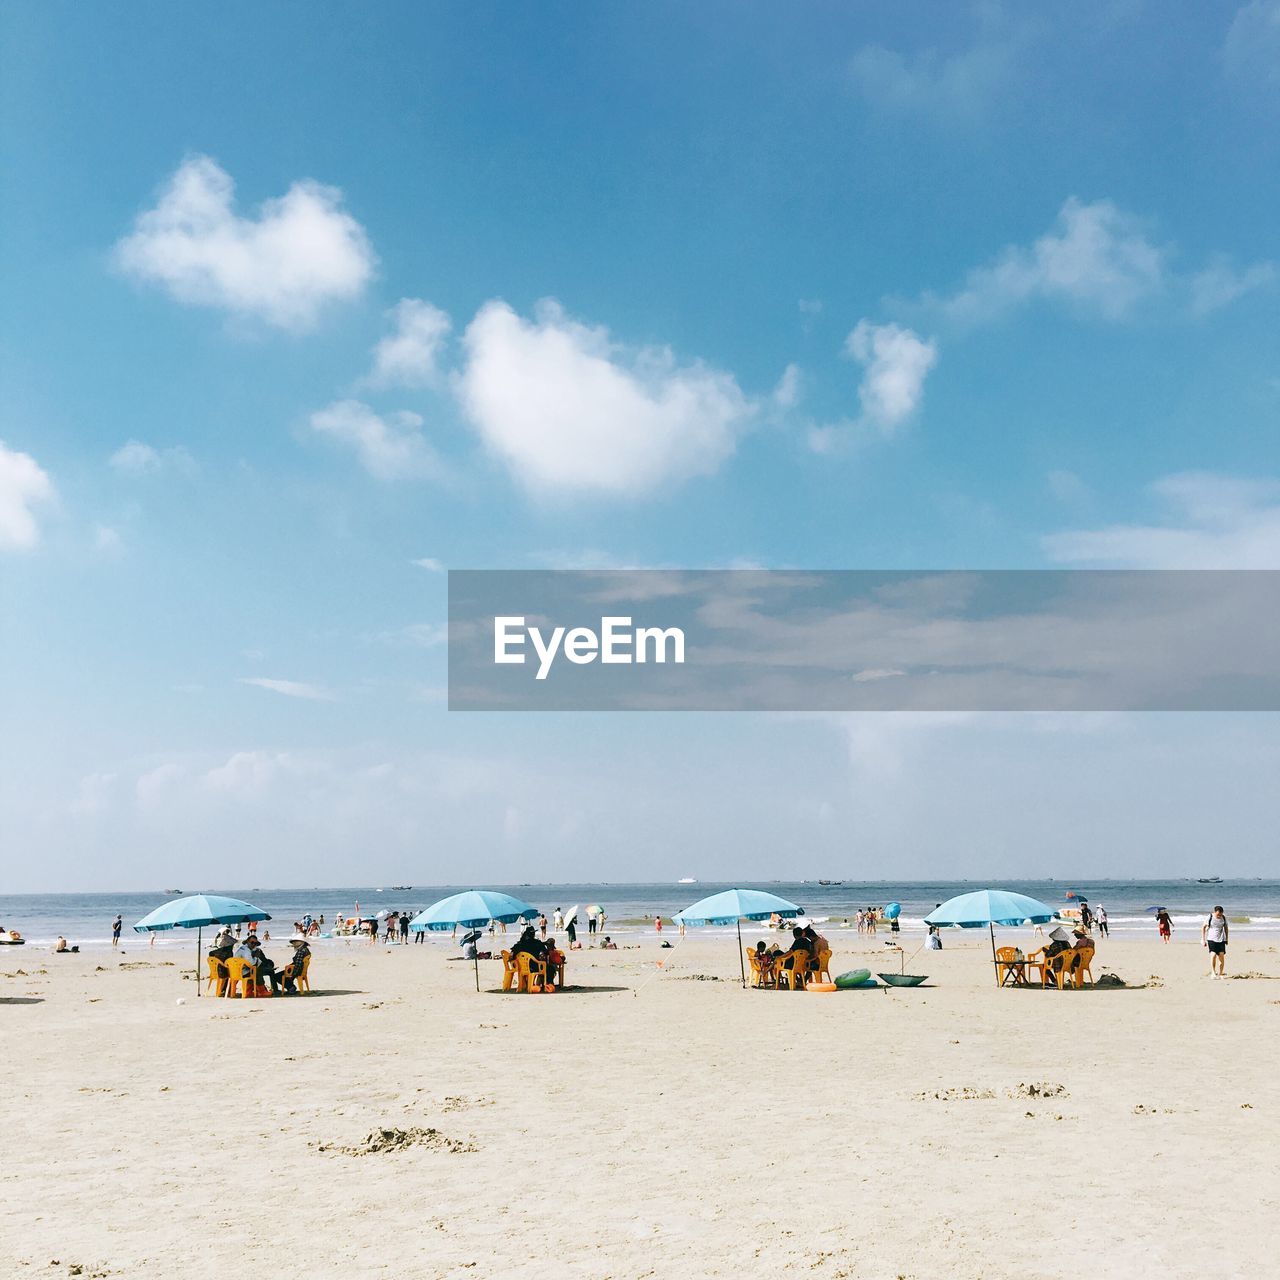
x=134, y=458
x=1095, y=256
x=568, y=409
x=895, y=363
x=24, y=487
x=430, y=564
x=301, y=251
x=290, y=688
x=390, y=447
x=1212, y=522
x=952, y=89
x=1251, y=50
x=1221, y=283
x=409, y=356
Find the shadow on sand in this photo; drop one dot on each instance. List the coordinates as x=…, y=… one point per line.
x=21, y=999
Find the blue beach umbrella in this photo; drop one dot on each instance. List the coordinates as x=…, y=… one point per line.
x=733, y=906
x=195, y=912
x=472, y=910
x=988, y=908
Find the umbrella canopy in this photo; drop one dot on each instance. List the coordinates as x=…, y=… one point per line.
x=473, y=910
x=199, y=910
x=195, y=912
x=733, y=906
x=990, y=906
x=595, y=909
x=571, y=915
x=737, y=904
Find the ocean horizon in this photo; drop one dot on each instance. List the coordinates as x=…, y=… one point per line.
x=85, y=918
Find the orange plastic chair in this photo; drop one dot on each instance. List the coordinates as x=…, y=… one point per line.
x=215, y=978
x=532, y=973
x=241, y=976
x=758, y=971
x=510, y=971
x=302, y=982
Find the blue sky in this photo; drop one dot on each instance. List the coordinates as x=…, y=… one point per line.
x=296, y=298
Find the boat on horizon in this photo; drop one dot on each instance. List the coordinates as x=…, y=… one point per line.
x=402, y=888
x=174, y=893
x=1209, y=880
x=687, y=880
x=831, y=882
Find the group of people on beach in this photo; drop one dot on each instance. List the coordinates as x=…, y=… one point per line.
x=228, y=945
x=772, y=959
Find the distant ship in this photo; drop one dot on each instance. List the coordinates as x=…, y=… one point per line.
x=402, y=887
x=174, y=893
x=687, y=880
x=1209, y=880
x=831, y=882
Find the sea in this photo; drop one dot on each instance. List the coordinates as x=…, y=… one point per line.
x=84, y=919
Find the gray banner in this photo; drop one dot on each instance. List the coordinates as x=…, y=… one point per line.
x=746, y=640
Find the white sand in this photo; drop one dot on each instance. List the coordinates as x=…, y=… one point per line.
x=692, y=1129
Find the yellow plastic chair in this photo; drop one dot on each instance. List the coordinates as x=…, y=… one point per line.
x=792, y=968
x=1082, y=968
x=820, y=971
x=532, y=973
x=241, y=975
x=302, y=982
x=510, y=971
x=216, y=979
x=758, y=971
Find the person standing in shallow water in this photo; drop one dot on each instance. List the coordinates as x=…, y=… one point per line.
x=116, y=926
x=1213, y=934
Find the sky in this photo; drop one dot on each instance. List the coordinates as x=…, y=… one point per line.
x=303, y=305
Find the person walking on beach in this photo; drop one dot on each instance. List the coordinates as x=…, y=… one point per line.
x=1101, y=921
x=572, y=930
x=1213, y=934
x=1164, y=925
x=116, y=925
x=657, y=923
x=1086, y=916
x=542, y=926
x=404, y=928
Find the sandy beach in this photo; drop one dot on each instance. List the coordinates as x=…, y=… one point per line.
x=684, y=1128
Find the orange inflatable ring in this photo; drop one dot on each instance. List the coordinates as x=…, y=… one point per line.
x=821, y=986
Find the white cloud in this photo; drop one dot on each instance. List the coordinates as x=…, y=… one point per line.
x=430, y=563
x=786, y=395
x=24, y=486
x=417, y=635
x=290, y=688
x=1214, y=522
x=134, y=458
x=106, y=540
x=952, y=90
x=1220, y=283
x=1251, y=51
x=301, y=251
x=409, y=357
x=566, y=408
x=389, y=448
x=1095, y=256
x=895, y=363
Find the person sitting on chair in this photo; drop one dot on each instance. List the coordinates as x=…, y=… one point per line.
x=266, y=966
x=293, y=970
x=529, y=944
x=555, y=963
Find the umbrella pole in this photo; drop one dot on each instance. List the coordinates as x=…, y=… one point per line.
x=742, y=967
x=199, y=932
x=476, y=960
x=994, y=965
